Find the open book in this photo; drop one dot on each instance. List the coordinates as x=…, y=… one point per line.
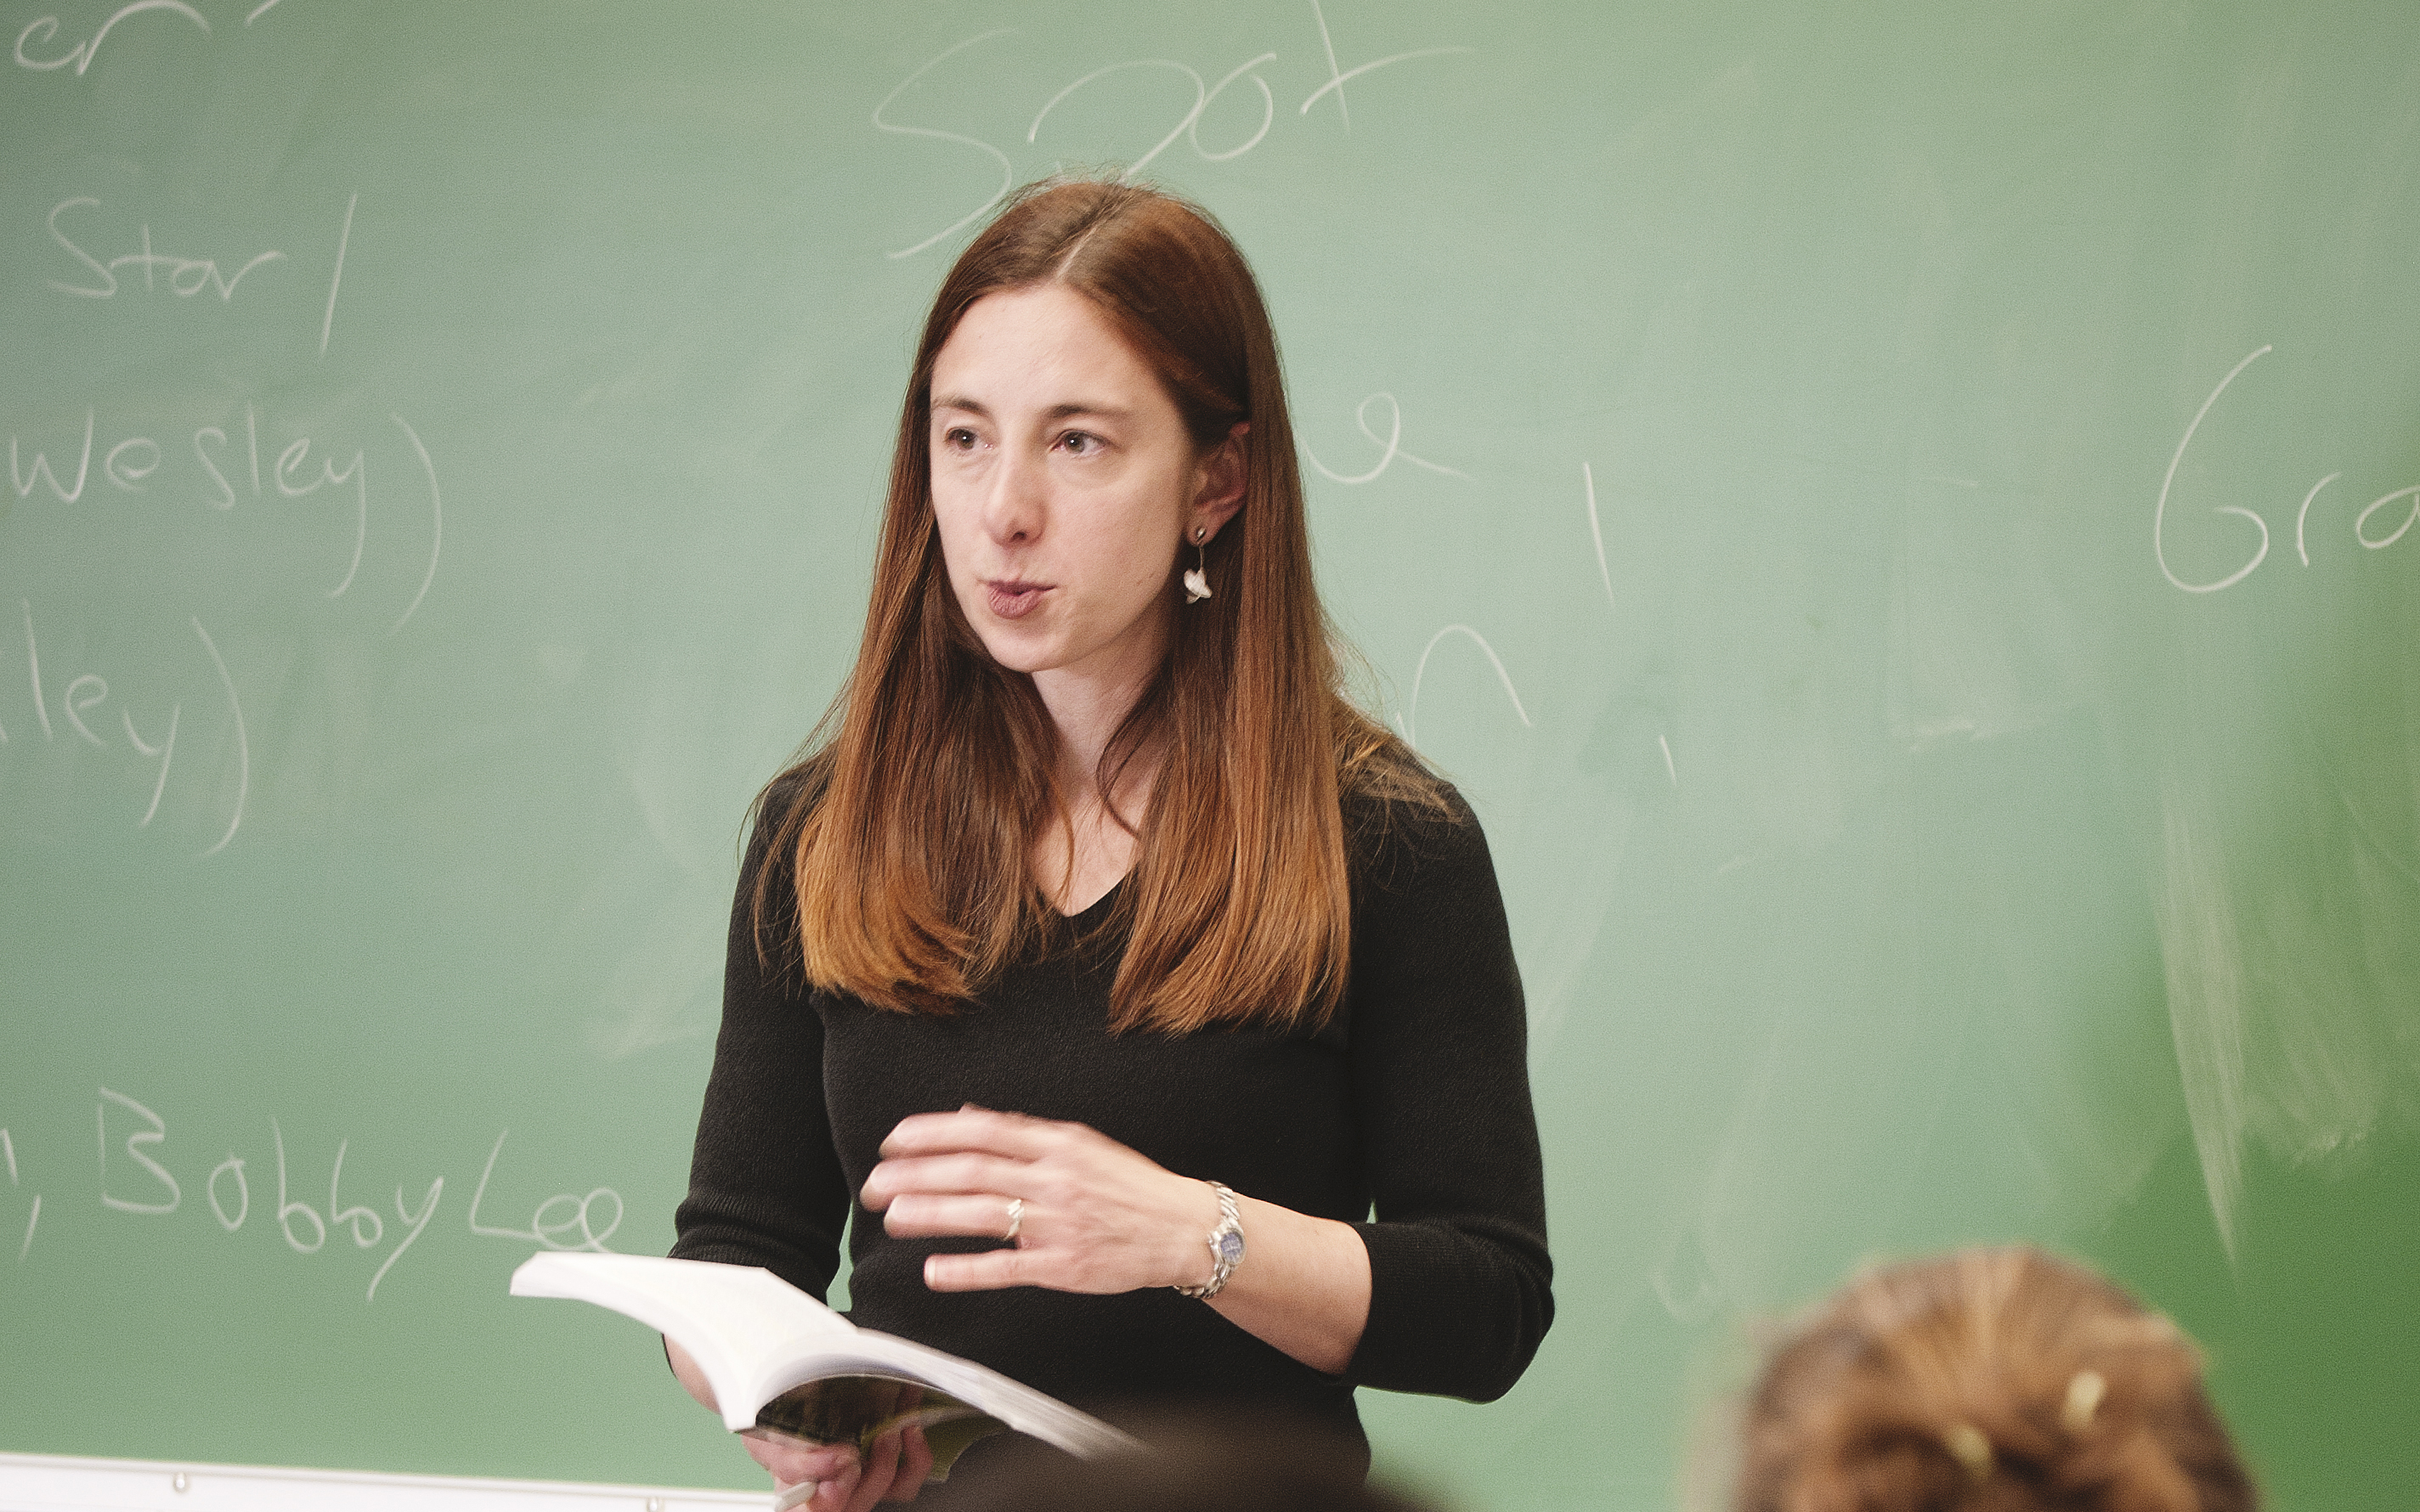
x=783, y=1364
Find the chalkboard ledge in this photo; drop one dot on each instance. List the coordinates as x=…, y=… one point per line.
x=55, y=1483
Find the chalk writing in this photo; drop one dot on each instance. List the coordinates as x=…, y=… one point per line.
x=436, y=520
x=1336, y=77
x=553, y=1235
x=147, y=270
x=1006, y=173
x=33, y=1214
x=156, y=1134
x=1412, y=710
x=88, y=691
x=1389, y=445
x=1187, y=122
x=2360, y=527
x=186, y=276
x=343, y=239
x=1596, y=534
x=37, y=43
x=42, y=31
x=242, y=741
x=137, y=1178
x=220, y=474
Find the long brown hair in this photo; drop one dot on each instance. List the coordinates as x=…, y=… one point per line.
x=923, y=790
x=1987, y=1380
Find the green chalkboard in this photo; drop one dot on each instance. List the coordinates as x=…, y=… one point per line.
x=1899, y=515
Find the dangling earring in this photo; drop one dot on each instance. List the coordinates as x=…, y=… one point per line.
x=1196, y=585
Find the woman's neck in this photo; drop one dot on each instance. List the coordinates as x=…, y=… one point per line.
x=1078, y=859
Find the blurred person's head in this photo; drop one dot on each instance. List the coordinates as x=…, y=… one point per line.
x=1194, y=1463
x=1987, y=1380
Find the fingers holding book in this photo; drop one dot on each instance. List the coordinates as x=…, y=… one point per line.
x=842, y=1477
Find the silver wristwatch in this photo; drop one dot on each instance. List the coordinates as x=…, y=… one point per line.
x=1226, y=1245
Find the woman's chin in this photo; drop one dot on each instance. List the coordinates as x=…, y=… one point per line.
x=1019, y=649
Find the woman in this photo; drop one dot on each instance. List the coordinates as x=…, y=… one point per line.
x=1092, y=835
x=1996, y=1381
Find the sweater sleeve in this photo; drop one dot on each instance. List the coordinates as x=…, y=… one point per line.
x=766, y=1185
x=1459, y=1277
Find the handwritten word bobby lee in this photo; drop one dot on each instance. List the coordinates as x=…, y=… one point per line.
x=141, y=1179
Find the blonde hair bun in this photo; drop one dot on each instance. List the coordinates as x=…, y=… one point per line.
x=1989, y=1379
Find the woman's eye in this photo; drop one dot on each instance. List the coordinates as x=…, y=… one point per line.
x=1080, y=443
x=959, y=438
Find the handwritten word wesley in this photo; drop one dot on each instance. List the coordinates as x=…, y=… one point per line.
x=238, y=461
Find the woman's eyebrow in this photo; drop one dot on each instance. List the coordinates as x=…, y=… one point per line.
x=1063, y=410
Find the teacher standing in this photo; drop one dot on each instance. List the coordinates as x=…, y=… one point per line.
x=1148, y=1007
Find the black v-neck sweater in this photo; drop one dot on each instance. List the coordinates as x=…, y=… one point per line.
x=1413, y=1102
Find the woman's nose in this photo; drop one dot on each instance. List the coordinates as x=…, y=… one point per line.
x=1017, y=501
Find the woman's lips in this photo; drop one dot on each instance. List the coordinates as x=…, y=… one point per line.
x=1014, y=600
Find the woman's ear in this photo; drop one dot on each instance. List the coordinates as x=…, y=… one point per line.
x=1219, y=488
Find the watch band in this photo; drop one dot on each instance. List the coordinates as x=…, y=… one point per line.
x=1226, y=1243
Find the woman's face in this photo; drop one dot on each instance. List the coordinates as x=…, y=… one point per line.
x=1064, y=481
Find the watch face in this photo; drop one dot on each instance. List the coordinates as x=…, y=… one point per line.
x=1231, y=1246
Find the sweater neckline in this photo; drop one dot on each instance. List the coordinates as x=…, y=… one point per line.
x=1091, y=912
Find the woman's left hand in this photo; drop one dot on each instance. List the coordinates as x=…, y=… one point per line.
x=1088, y=1214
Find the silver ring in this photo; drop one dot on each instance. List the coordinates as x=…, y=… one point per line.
x=1015, y=1219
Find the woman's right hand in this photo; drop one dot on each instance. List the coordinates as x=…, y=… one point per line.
x=892, y=1470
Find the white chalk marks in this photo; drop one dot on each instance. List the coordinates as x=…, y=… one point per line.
x=1201, y=98
x=1390, y=446
x=185, y=276
x=2160, y=512
x=2361, y=524
x=436, y=520
x=1189, y=124
x=931, y=133
x=219, y=473
x=2203, y=965
x=2302, y=517
x=42, y=32
x=1596, y=535
x=1337, y=77
x=555, y=1234
x=138, y=1177
x=242, y=741
x=343, y=239
x=34, y=1214
x=1412, y=710
x=1184, y=121
x=37, y=42
x=1268, y=111
x=155, y=1135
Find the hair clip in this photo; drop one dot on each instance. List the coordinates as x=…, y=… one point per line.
x=2084, y=1394
x=1967, y=1446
